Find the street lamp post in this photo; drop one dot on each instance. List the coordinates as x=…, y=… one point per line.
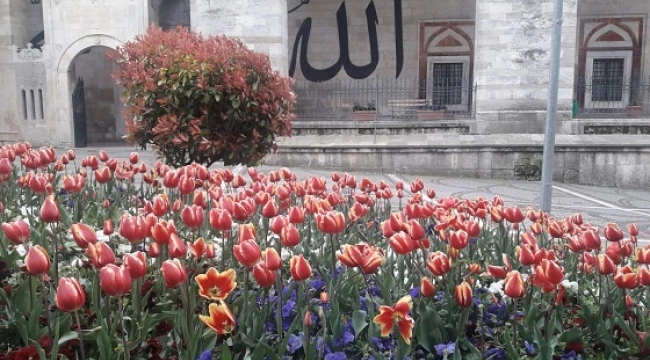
x=548, y=162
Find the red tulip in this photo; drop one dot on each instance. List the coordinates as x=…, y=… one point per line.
x=514, y=285
x=69, y=295
x=427, y=287
x=136, y=264
x=402, y=243
x=514, y=215
x=246, y=232
x=102, y=175
x=296, y=215
x=247, y=252
x=174, y=273
x=6, y=166
x=133, y=228
x=643, y=255
x=633, y=230
x=463, y=294
x=629, y=302
x=134, y=158
x=592, y=240
x=239, y=212
x=37, y=261
x=290, y=236
x=555, y=229
x=438, y=263
x=100, y=254
x=270, y=210
x=613, y=233
x=192, y=216
x=210, y=251
x=272, y=260
x=548, y=275
x=526, y=256
x=197, y=248
x=644, y=276
x=160, y=205
x=498, y=272
x=115, y=281
x=17, y=232
x=459, y=239
x=83, y=235
x=357, y=211
x=49, y=210
x=161, y=232
x=264, y=276
x=278, y=223
x=415, y=230
x=496, y=214
x=366, y=257
x=186, y=185
x=154, y=250
x=177, y=247
x=220, y=219
x=605, y=265
x=299, y=268
x=108, y=227
x=331, y=222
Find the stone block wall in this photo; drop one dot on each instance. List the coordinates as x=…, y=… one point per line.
x=261, y=24
x=323, y=49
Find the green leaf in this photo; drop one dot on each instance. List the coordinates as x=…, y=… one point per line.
x=67, y=337
x=225, y=353
x=572, y=335
x=359, y=321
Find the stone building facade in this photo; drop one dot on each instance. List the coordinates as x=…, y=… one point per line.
x=474, y=66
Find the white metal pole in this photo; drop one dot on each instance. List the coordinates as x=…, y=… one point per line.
x=548, y=161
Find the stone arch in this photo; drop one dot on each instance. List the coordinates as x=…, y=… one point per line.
x=63, y=82
x=83, y=43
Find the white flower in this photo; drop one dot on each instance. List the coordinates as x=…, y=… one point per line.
x=496, y=287
x=21, y=249
x=101, y=237
x=570, y=285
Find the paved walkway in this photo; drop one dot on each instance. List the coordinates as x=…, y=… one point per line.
x=598, y=205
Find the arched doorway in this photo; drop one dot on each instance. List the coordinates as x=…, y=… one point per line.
x=173, y=13
x=96, y=106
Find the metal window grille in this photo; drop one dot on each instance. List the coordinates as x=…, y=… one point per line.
x=607, y=80
x=447, y=84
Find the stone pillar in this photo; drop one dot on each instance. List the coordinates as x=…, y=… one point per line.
x=261, y=24
x=513, y=41
x=8, y=101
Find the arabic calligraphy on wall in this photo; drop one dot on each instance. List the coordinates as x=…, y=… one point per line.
x=344, y=62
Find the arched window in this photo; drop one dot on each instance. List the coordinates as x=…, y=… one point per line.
x=173, y=13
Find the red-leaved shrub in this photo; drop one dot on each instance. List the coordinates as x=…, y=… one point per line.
x=202, y=99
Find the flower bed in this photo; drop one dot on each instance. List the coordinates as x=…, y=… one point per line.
x=105, y=259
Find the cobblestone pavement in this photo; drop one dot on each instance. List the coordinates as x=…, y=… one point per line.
x=598, y=205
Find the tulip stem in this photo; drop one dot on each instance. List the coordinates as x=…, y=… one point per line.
x=127, y=354
x=278, y=305
x=47, y=307
x=333, y=257
x=82, y=350
x=56, y=255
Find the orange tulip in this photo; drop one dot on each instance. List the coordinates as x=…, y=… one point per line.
x=613, y=232
x=160, y=205
x=264, y=276
x=197, y=248
x=108, y=228
x=174, y=273
x=415, y=230
x=177, y=247
x=299, y=268
x=514, y=285
x=399, y=314
x=626, y=278
x=136, y=264
x=49, y=210
x=37, y=261
x=592, y=240
x=100, y=254
x=427, y=287
x=357, y=211
x=272, y=260
x=438, y=263
x=102, y=175
x=115, y=281
x=366, y=257
x=214, y=285
x=17, y=232
x=210, y=251
x=498, y=272
x=247, y=252
x=221, y=320
x=330, y=222
x=290, y=236
x=220, y=219
x=69, y=295
x=526, y=256
x=463, y=294
x=474, y=268
x=83, y=235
